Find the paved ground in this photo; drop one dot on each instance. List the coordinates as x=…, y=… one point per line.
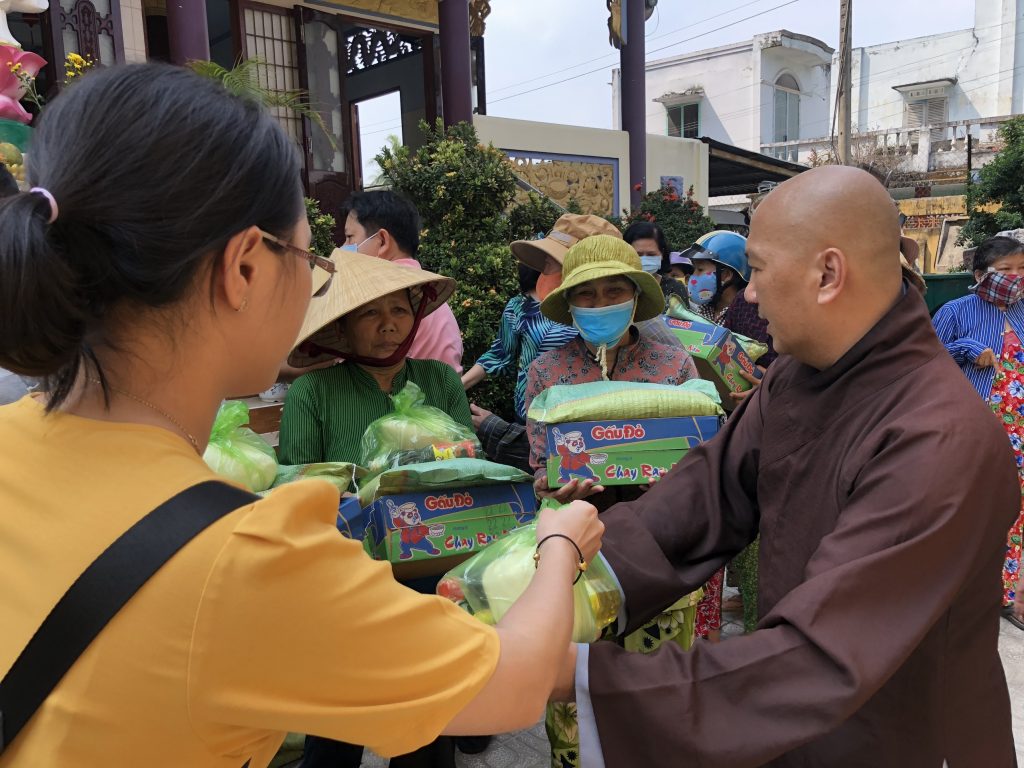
x=529, y=749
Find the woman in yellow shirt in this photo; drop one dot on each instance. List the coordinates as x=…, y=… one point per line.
x=158, y=267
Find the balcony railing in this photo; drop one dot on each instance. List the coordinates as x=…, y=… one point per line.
x=922, y=150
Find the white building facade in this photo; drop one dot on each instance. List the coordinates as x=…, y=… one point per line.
x=953, y=77
x=915, y=99
x=774, y=88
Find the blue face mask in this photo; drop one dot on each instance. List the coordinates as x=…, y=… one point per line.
x=353, y=248
x=603, y=326
x=702, y=288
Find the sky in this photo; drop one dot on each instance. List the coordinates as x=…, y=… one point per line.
x=532, y=45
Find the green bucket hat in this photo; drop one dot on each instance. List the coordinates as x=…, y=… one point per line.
x=603, y=256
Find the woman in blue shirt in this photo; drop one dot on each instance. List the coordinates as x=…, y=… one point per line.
x=523, y=335
x=984, y=333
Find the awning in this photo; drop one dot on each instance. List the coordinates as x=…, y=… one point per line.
x=735, y=171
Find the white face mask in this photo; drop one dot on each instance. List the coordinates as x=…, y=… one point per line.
x=650, y=264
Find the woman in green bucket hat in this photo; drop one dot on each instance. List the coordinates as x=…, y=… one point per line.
x=604, y=293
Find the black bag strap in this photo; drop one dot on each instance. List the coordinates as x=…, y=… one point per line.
x=102, y=590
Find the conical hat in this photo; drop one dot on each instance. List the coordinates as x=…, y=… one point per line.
x=359, y=280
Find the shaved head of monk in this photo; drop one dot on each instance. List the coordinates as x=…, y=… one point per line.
x=824, y=253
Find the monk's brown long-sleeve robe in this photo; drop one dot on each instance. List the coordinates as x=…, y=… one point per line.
x=883, y=488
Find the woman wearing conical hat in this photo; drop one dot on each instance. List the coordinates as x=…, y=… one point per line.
x=368, y=318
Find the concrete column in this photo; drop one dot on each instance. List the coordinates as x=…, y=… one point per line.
x=187, y=31
x=456, y=81
x=634, y=96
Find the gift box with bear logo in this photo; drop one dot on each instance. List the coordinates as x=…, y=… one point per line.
x=635, y=452
x=718, y=354
x=426, y=533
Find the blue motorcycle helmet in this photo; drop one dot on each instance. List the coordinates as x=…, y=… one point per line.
x=724, y=248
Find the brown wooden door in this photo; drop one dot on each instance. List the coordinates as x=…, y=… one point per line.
x=322, y=64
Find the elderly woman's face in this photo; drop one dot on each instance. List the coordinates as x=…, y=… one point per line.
x=379, y=328
x=603, y=292
x=1011, y=264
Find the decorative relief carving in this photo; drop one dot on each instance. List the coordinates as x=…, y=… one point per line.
x=591, y=184
x=479, y=10
x=367, y=48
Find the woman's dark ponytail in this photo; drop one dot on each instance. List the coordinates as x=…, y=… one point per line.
x=42, y=320
x=153, y=169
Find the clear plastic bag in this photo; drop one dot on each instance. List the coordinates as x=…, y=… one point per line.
x=415, y=433
x=237, y=453
x=489, y=583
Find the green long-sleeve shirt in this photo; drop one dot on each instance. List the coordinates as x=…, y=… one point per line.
x=326, y=412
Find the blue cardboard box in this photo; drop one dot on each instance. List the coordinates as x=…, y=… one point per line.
x=633, y=452
x=429, y=532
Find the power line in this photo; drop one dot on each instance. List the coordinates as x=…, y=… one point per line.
x=680, y=42
x=612, y=56
x=745, y=111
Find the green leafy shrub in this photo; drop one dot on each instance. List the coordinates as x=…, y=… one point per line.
x=463, y=190
x=322, y=224
x=534, y=217
x=998, y=182
x=682, y=219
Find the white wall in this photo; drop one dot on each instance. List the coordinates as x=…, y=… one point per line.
x=986, y=61
x=725, y=74
x=671, y=156
x=738, y=104
x=810, y=65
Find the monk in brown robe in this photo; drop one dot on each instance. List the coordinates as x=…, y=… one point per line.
x=882, y=489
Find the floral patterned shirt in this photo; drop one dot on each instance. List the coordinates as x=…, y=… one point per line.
x=643, y=361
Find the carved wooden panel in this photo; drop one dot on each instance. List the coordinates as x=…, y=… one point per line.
x=79, y=26
x=367, y=48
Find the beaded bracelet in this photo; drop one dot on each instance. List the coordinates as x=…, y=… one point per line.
x=581, y=566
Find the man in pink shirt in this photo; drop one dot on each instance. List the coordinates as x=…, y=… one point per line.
x=386, y=225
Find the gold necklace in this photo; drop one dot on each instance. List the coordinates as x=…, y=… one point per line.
x=140, y=401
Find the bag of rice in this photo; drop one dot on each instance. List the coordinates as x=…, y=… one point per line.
x=489, y=583
x=414, y=433
x=614, y=400
x=236, y=452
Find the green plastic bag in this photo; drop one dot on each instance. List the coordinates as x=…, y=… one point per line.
x=414, y=434
x=338, y=473
x=489, y=583
x=237, y=453
x=438, y=475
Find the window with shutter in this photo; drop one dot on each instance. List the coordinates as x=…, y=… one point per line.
x=928, y=112
x=914, y=115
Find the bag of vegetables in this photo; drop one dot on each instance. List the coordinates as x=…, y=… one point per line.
x=237, y=453
x=414, y=434
x=487, y=584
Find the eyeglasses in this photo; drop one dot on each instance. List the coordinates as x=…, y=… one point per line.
x=321, y=280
